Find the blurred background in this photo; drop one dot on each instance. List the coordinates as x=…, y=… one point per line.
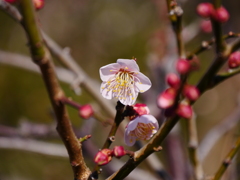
x=98, y=33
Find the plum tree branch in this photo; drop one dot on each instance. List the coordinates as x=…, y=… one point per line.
x=42, y=58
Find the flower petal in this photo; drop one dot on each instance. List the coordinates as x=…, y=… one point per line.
x=129, y=138
x=129, y=63
x=147, y=118
x=132, y=124
x=143, y=83
x=106, y=72
x=105, y=92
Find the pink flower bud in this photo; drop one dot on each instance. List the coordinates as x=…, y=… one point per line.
x=185, y=111
x=234, y=60
x=183, y=66
x=206, y=26
x=173, y=80
x=85, y=111
x=191, y=92
x=221, y=15
x=103, y=157
x=38, y=4
x=141, y=109
x=205, y=10
x=166, y=99
x=118, y=151
x=11, y=1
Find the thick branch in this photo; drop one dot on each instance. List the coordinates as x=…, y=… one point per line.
x=41, y=56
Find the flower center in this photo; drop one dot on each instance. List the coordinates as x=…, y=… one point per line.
x=122, y=84
x=145, y=131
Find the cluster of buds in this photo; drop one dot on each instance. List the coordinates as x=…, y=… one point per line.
x=104, y=156
x=166, y=100
x=234, y=60
x=38, y=4
x=207, y=10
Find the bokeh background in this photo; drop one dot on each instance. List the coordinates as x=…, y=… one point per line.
x=98, y=33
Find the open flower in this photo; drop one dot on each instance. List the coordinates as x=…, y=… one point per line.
x=123, y=81
x=141, y=128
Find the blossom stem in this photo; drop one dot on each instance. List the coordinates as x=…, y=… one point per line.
x=118, y=119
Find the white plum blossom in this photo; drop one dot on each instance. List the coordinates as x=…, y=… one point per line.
x=123, y=81
x=141, y=128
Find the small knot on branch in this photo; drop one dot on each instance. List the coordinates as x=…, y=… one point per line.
x=112, y=138
x=227, y=161
x=159, y=148
x=85, y=138
x=74, y=164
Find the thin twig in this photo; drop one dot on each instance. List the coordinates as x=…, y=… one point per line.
x=227, y=160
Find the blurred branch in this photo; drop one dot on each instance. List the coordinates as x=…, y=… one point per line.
x=212, y=137
x=192, y=148
x=10, y=10
x=42, y=58
x=227, y=160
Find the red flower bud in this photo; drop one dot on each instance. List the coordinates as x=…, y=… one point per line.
x=118, y=151
x=166, y=99
x=221, y=15
x=205, y=10
x=85, y=111
x=234, y=60
x=173, y=80
x=185, y=111
x=38, y=4
x=103, y=157
x=206, y=26
x=141, y=109
x=183, y=66
x=191, y=92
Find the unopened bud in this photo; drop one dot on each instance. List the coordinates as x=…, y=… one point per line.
x=141, y=109
x=166, y=99
x=118, y=151
x=221, y=15
x=205, y=10
x=85, y=111
x=234, y=60
x=183, y=66
x=173, y=80
x=185, y=111
x=191, y=92
x=38, y=4
x=103, y=157
x=206, y=26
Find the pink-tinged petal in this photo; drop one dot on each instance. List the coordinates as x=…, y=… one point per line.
x=108, y=71
x=105, y=92
x=129, y=138
x=129, y=63
x=132, y=124
x=143, y=83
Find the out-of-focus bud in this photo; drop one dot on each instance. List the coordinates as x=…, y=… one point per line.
x=85, y=111
x=11, y=1
x=173, y=80
x=206, y=26
x=141, y=109
x=38, y=4
x=103, y=157
x=183, y=66
x=234, y=60
x=118, y=151
x=205, y=10
x=184, y=110
x=166, y=99
x=191, y=92
x=221, y=15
